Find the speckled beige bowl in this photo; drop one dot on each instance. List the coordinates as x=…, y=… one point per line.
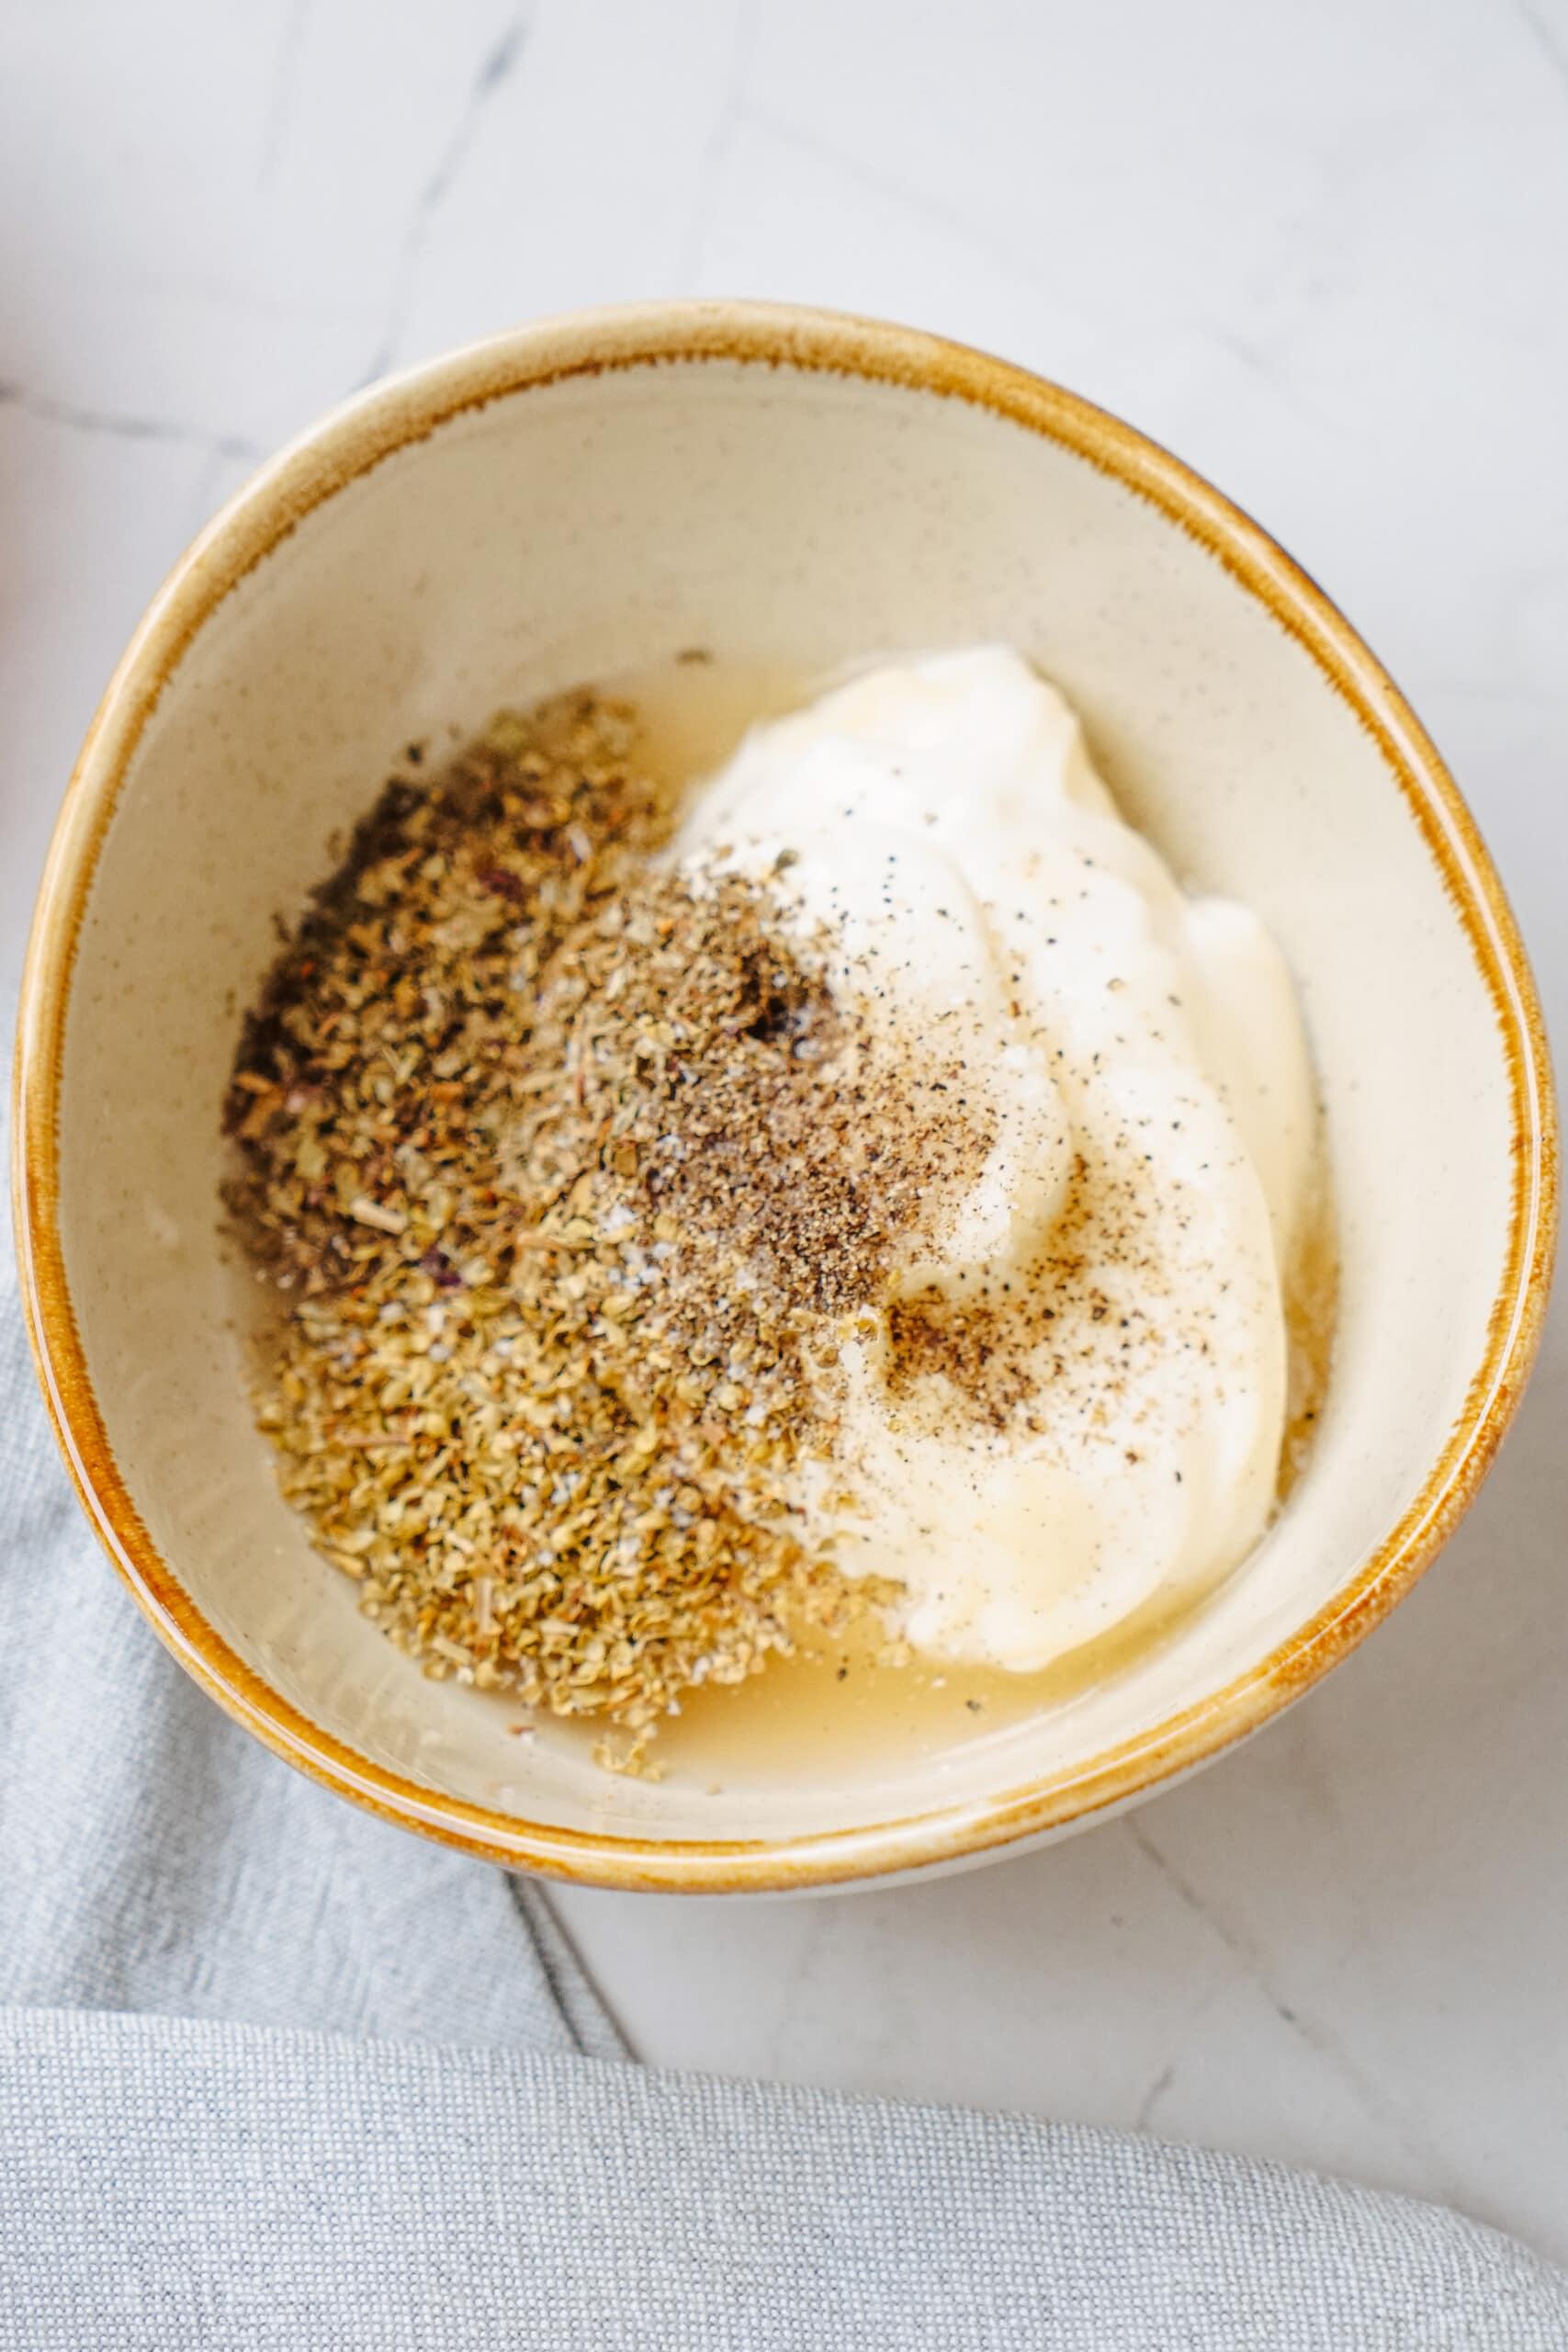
x=588, y=496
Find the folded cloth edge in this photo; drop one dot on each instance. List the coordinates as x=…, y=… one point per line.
x=169, y=2183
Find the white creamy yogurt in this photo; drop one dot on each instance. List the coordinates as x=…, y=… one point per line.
x=1143, y=1069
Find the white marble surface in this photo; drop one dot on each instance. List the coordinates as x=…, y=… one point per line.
x=1320, y=248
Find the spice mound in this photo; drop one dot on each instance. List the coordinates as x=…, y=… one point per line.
x=567, y=1170
x=873, y=1189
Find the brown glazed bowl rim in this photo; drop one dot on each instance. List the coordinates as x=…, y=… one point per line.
x=347, y=445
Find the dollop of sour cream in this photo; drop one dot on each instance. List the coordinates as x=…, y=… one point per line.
x=1149, y=1095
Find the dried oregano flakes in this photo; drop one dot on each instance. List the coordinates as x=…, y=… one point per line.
x=564, y=1167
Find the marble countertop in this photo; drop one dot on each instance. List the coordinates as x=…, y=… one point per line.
x=1318, y=250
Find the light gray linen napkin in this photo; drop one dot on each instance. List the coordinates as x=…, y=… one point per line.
x=154, y=1856
x=274, y=2073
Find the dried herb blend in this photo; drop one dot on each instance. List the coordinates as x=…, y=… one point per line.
x=566, y=1168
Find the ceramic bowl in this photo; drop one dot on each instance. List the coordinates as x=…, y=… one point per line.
x=787, y=489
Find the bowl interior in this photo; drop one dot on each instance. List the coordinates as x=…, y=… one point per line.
x=784, y=517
